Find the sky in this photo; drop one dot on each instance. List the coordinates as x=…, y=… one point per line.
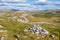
x=30, y=4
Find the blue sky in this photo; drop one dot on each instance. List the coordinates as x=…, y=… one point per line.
x=30, y=4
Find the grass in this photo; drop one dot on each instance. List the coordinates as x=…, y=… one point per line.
x=13, y=27
x=45, y=17
x=17, y=28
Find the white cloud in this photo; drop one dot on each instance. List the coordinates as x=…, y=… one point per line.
x=53, y=2
x=13, y=0
x=29, y=6
x=25, y=6
x=42, y=0
x=20, y=0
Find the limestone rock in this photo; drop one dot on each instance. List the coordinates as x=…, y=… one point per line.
x=36, y=30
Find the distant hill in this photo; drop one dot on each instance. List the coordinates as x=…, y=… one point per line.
x=54, y=11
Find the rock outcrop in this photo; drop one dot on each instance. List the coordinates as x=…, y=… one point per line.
x=36, y=30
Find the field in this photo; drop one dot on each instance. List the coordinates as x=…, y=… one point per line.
x=15, y=29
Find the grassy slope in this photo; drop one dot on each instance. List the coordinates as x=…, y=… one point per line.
x=16, y=28
x=13, y=27
x=47, y=17
x=54, y=18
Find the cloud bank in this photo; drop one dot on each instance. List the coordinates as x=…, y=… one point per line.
x=29, y=5
x=13, y=0
x=42, y=0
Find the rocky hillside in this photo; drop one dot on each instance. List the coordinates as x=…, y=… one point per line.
x=13, y=24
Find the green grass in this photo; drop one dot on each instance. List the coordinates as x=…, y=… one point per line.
x=46, y=15
x=53, y=29
x=17, y=28
x=13, y=27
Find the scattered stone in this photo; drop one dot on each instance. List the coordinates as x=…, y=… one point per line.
x=52, y=36
x=1, y=19
x=43, y=36
x=25, y=36
x=3, y=30
x=16, y=37
x=25, y=30
x=38, y=37
x=3, y=34
x=2, y=38
x=36, y=30
x=14, y=17
x=1, y=26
